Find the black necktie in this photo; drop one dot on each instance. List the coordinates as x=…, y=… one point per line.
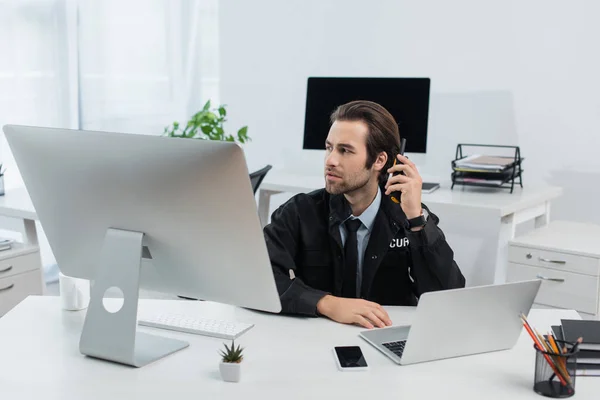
x=351, y=259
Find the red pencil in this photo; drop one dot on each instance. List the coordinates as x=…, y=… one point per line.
x=542, y=349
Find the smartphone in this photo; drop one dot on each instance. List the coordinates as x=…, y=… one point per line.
x=394, y=196
x=350, y=358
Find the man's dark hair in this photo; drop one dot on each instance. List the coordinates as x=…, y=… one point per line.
x=383, y=130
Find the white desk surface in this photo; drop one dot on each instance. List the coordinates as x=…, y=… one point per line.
x=286, y=358
x=469, y=196
x=569, y=236
x=16, y=203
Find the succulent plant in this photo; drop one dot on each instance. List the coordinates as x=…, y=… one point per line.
x=232, y=354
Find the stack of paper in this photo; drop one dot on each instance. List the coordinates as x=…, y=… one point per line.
x=478, y=162
x=479, y=180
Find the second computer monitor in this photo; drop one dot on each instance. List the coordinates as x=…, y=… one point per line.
x=407, y=99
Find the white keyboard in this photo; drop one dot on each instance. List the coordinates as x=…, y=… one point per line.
x=199, y=326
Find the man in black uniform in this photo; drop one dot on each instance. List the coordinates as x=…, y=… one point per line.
x=345, y=250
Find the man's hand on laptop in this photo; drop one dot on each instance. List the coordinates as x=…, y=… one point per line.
x=354, y=311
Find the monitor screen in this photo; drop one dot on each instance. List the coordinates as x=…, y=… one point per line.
x=407, y=99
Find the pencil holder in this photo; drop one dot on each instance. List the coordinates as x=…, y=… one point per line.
x=555, y=373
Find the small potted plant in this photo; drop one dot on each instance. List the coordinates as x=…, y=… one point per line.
x=231, y=363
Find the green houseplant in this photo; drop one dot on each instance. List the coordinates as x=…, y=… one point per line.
x=231, y=359
x=207, y=124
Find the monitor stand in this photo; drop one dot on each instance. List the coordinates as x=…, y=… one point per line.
x=113, y=336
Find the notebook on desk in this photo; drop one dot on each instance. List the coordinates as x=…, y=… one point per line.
x=429, y=187
x=586, y=329
x=588, y=361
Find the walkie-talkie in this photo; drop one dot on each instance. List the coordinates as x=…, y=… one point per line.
x=393, y=196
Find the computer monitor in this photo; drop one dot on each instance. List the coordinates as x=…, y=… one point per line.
x=139, y=211
x=407, y=99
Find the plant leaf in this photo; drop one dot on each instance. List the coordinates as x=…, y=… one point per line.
x=192, y=132
x=243, y=134
x=232, y=354
x=206, y=106
x=222, y=111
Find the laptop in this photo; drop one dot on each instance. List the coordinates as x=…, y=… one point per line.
x=458, y=322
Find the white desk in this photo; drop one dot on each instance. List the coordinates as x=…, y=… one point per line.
x=566, y=255
x=286, y=358
x=20, y=267
x=17, y=205
x=477, y=222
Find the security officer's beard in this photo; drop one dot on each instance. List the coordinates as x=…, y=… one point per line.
x=350, y=183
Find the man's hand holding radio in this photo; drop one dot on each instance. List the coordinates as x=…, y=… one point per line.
x=410, y=185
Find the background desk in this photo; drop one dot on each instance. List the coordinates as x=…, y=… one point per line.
x=21, y=272
x=286, y=358
x=477, y=222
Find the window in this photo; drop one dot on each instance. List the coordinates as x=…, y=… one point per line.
x=122, y=65
x=32, y=70
x=145, y=63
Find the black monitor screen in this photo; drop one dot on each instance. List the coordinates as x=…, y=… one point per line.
x=407, y=99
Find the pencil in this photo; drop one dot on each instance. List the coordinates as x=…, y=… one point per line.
x=563, y=360
x=553, y=343
x=541, y=348
x=541, y=341
x=579, y=340
x=557, y=360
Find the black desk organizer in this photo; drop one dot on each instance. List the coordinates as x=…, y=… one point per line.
x=506, y=175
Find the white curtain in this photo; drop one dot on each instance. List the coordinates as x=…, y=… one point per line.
x=121, y=65
x=32, y=70
x=143, y=63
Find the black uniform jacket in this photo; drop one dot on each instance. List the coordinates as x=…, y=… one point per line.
x=398, y=266
x=306, y=252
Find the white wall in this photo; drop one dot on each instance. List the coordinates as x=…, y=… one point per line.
x=514, y=72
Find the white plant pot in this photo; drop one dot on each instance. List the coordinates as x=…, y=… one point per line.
x=230, y=372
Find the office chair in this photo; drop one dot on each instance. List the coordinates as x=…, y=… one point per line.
x=256, y=179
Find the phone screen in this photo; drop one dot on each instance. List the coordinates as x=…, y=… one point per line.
x=350, y=357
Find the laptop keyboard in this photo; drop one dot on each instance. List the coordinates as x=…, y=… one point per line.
x=395, y=347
